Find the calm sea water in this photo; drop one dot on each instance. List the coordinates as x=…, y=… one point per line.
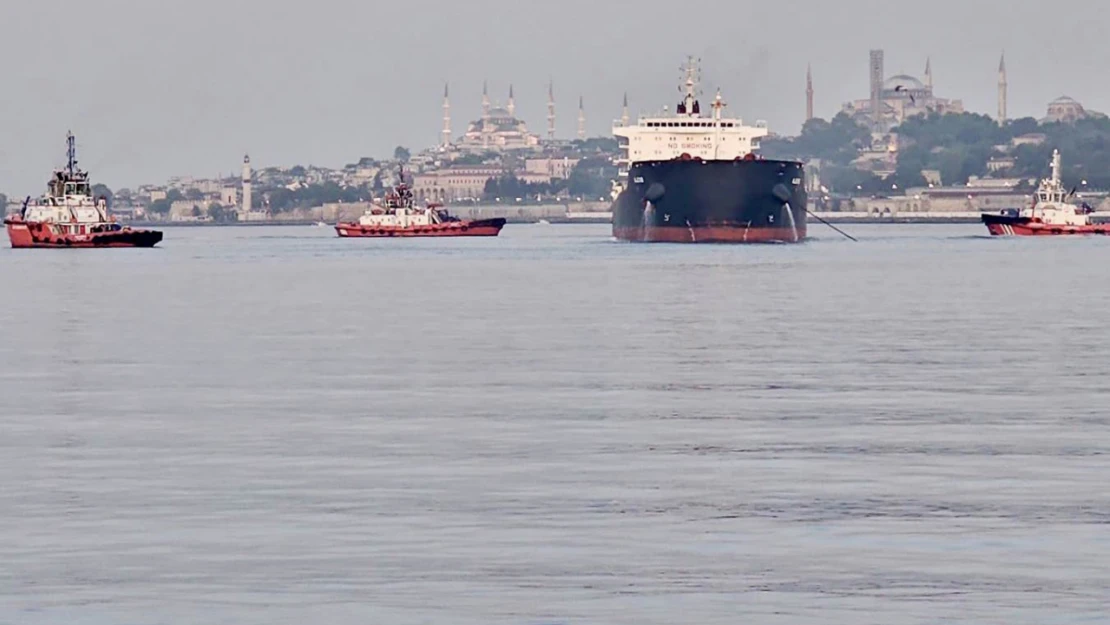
x=272, y=425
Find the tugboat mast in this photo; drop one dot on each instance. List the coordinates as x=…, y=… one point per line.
x=71, y=154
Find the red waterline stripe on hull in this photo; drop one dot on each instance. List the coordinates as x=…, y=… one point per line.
x=485, y=231
x=1020, y=230
x=27, y=237
x=710, y=234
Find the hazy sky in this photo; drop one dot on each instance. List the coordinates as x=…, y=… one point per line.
x=155, y=88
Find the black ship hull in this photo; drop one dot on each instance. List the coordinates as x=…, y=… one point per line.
x=695, y=201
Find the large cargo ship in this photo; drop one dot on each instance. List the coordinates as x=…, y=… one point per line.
x=686, y=178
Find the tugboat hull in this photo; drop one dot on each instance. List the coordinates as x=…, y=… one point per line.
x=1005, y=225
x=27, y=235
x=479, y=228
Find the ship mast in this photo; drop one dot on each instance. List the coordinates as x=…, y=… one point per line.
x=1056, y=168
x=689, y=105
x=71, y=155
x=718, y=107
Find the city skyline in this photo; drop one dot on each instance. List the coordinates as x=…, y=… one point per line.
x=209, y=89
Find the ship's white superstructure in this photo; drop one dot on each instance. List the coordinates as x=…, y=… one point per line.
x=398, y=210
x=686, y=132
x=1051, y=205
x=400, y=218
x=68, y=202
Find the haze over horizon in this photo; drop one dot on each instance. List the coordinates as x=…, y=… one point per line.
x=154, y=90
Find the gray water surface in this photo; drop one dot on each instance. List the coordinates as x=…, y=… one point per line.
x=272, y=425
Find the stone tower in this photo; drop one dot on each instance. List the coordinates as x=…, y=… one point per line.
x=809, y=93
x=877, y=90
x=247, y=199
x=1003, y=87
x=929, y=74
x=624, y=111
x=512, y=103
x=551, y=111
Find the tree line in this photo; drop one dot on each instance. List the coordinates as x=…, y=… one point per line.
x=591, y=178
x=958, y=146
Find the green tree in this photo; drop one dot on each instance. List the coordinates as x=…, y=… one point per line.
x=401, y=153
x=597, y=145
x=282, y=199
x=1023, y=126
x=492, y=190
x=837, y=142
x=175, y=195
x=100, y=190
x=592, y=178
x=911, y=161
x=298, y=171
x=194, y=195
x=848, y=179
x=217, y=212
x=161, y=207
x=476, y=159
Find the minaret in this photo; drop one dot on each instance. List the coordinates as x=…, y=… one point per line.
x=929, y=74
x=809, y=93
x=551, y=111
x=485, y=100
x=512, y=104
x=246, y=184
x=1003, y=86
x=877, y=77
x=624, y=112
x=581, y=118
x=446, y=140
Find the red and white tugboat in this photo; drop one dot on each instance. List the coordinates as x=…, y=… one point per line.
x=68, y=216
x=398, y=216
x=1051, y=214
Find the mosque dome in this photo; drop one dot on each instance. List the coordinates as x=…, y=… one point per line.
x=909, y=83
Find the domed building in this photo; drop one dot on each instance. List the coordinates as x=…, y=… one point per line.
x=898, y=98
x=498, y=130
x=1068, y=110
